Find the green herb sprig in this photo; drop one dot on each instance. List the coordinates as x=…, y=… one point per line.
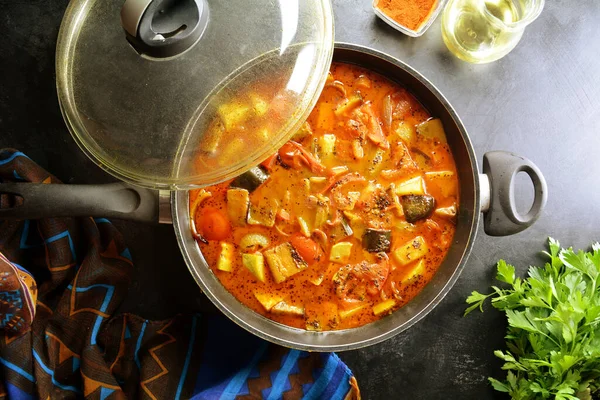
x=553, y=336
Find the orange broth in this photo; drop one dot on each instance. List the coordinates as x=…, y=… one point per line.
x=385, y=138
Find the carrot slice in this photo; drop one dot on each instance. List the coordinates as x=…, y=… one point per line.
x=308, y=249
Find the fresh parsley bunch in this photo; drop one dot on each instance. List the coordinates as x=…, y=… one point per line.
x=553, y=334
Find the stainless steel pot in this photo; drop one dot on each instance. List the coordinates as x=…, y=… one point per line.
x=490, y=193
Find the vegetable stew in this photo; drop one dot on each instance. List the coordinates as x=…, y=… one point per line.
x=348, y=221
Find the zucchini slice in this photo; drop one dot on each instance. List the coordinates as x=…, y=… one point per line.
x=377, y=240
x=416, y=207
x=251, y=179
x=354, y=101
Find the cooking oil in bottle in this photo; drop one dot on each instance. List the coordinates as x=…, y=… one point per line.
x=481, y=31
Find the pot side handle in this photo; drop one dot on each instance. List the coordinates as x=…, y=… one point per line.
x=501, y=215
x=115, y=200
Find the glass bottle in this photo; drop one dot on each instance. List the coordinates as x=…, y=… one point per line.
x=481, y=31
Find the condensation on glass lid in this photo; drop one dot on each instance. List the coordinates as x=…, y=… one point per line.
x=252, y=111
x=249, y=81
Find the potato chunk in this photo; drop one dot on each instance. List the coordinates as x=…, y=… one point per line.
x=326, y=147
x=255, y=264
x=412, y=186
x=267, y=300
x=444, y=180
x=384, y=306
x=304, y=229
x=432, y=129
x=447, y=212
x=263, y=212
x=259, y=104
x=233, y=114
x=340, y=252
x=415, y=272
x=225, y=261
x=348, y=313
x=405, y=132
x=284, y=308
x=411, y=251
x=284, y=262
x=237, y=206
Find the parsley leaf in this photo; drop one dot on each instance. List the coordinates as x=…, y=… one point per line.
x=506, y=272
x=553, y=338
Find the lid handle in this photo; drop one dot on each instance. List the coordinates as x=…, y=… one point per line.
x=164, y=28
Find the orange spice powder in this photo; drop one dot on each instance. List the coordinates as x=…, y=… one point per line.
x=410, y=13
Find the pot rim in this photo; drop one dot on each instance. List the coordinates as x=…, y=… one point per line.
x=274, y=331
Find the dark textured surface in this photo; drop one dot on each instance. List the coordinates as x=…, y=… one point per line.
x=541, y=101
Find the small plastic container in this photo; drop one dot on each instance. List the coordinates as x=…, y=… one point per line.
x=433, y=14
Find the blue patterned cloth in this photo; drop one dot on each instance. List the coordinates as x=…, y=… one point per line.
x=61, y=282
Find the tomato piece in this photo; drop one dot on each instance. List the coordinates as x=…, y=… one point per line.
x=354, y=129
x=368, y=121
x=377, y=136
x=308, y=249
x=403, y=106
x=290, y=156
x=376, y=276
x=353, y=282
x=295, y=156
x=270, y=162
x=214, y=225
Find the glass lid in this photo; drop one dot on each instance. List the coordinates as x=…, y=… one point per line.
x=176, y=94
